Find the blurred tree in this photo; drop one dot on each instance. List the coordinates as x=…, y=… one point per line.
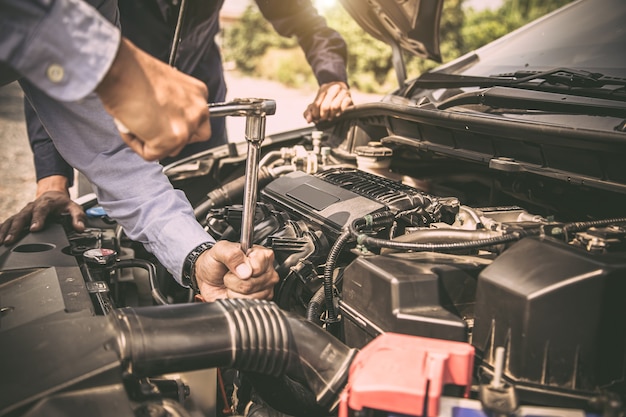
x=481, y=27
x=247, y=40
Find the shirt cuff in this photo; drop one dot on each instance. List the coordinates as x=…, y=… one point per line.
x=172, y=250
x=70, y=51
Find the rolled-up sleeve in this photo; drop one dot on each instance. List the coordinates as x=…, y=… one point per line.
x=63, y=47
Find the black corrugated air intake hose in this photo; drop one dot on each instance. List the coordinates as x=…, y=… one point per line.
x=249, y=335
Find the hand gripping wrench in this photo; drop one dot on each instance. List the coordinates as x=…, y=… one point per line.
x=255, y=110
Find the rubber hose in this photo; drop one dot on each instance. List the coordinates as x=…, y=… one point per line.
x=315, y=305
x=578, y=226
x=329, y=268
x=440, y=247
x=229, y=193
x=151, y=269
x=375, y=220
x=249, y=335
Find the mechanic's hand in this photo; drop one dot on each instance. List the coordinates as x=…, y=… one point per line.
x=33, y=216
x=162, y=108
x=331, y=101
x=225, y=271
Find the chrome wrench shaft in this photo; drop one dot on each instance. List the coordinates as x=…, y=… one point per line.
x=255, y=111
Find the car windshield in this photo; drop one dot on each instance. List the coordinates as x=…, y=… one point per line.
x=588, y=35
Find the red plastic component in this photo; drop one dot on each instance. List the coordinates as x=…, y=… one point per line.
x=398, y=373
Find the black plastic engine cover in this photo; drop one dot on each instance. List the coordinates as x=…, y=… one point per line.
x=421, y=294
x=326, y=205
x=560, y=313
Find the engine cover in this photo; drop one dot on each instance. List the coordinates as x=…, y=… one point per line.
x=332, y=199
x=560, y=313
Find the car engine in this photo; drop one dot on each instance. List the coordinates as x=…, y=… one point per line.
x=511, y=284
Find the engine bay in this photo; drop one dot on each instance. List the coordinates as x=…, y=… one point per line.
x=372, y=236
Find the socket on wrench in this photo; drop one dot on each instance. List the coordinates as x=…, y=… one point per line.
x=255, y=110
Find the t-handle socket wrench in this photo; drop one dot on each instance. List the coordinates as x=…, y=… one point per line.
x=255, y=110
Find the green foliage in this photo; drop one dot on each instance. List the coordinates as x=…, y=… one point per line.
x=247, y=40
x=287, y=66
x=253, y=44
x=369, y=60
x=487, y=25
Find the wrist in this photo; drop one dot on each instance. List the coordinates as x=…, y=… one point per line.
x=189, y=265
x=52, y=183
x=116, y=77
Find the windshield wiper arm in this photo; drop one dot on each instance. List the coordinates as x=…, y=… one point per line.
x=566, y=76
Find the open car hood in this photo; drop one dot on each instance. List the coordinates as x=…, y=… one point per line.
x=412, y=24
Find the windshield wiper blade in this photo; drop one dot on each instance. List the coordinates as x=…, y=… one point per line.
x=512, y=98
x=566, y=76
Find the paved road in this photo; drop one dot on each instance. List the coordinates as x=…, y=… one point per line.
x=17, y=186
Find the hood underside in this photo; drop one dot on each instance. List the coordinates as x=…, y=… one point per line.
x=411, y=24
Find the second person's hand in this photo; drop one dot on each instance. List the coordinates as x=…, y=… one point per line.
x=34, y=215
x=331, y=101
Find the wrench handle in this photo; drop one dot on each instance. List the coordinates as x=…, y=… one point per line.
x=250, y=196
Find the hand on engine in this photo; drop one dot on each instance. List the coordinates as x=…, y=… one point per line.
x=331, y=101
x=225, y=271
x=33, y=216
x=163, y=108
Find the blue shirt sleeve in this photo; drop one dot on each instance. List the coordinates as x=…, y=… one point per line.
x=64, y=47
x=132, y=191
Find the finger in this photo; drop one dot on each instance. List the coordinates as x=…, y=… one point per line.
x=230, y=255
x=78, y=217
x=346, y=102
x=17, y=227
x=266, y=294
x=326, y=110
x=176, y=150
x=237, y=285
x=39, y=215
x=314, y=111
x=211, y=293
x=261, y=260
x=203, y=132
x=134, y=143
x=308, y=114
x=4, y=230
x=337, y=105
